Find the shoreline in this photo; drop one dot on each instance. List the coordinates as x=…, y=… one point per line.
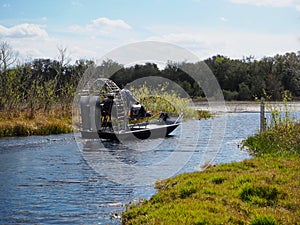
x=261, y=190
x=245, y=106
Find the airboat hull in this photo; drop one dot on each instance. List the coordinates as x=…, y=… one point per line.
x=149, y=132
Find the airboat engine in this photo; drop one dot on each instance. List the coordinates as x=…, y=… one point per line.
x=90, y=113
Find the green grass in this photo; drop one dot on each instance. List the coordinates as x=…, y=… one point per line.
x=260, y=191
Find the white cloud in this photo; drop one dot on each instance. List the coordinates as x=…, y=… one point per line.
x=186, y=40
x=78, y=48
x=235, y=44
x=101, y=25
x=202, y=42
x=105, y=22
x=32, y=41
x=22, y=31
x=272, y=3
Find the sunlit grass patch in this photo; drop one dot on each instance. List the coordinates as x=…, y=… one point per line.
x=257, y=191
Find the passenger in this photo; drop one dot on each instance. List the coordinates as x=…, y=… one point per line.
x=163, y=117
x=137, y=111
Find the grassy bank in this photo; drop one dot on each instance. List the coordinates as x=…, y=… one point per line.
x=260, y=191
x=20, y=124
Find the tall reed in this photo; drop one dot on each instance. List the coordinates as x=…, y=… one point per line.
x=162, y=99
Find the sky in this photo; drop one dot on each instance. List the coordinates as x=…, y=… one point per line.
x=91, y=28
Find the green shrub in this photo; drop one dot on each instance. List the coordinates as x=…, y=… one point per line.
x=230, y=95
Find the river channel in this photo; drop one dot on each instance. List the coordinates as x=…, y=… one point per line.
x=56, y=180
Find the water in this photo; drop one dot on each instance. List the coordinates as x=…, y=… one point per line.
x=48, y=180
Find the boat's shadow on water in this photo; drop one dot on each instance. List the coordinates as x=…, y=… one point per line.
x=135, y=162
x=131, y=152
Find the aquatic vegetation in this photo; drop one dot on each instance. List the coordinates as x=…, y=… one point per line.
x=282, y=131
x=162, y=99
x=280, y=113
x=42, y=124
x=282, y=139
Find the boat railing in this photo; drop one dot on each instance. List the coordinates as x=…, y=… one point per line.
x=180, y=117
x=138, y=125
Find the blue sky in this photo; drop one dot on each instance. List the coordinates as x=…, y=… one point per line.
x=91, y=28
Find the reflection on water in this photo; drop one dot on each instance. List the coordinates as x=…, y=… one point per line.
x=48, y=180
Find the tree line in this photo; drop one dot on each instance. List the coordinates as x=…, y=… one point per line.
x=239, y=79
x=44, y=84
x=41, y=84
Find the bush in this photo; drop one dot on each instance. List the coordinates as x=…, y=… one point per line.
x=230, y=95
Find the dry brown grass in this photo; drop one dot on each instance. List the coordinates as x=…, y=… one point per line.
x=23, y=123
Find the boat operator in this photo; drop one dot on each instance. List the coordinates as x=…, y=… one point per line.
x=106, y=107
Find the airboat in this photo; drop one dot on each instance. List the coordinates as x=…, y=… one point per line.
x=111, y=113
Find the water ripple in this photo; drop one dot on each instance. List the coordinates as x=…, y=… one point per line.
x=46, y=180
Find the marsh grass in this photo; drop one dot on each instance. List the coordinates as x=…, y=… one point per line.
x=282, y=139
x=158, y=99
x=263, y=190
x=280, y=124
x=43, y=123
x=280, y=114
x=282, y=135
